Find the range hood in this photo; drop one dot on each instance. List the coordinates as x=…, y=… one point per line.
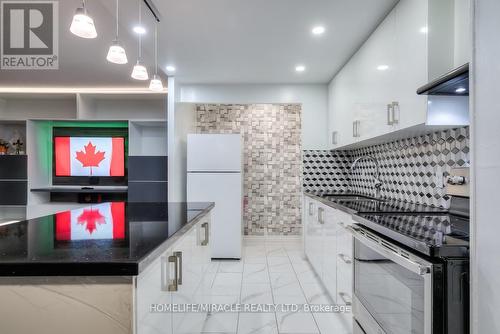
x=455, y=82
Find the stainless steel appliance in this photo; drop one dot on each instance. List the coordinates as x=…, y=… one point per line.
x=411, y=270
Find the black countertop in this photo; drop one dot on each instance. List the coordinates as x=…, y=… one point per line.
x=108, y=239
x=337, y=200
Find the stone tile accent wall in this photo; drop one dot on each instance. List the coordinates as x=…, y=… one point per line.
x=272, y=161
x=407, y=167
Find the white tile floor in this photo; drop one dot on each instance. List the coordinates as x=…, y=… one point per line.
x=271, y=272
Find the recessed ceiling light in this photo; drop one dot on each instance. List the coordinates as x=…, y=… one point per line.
x=460, y=90
x=170, y=68
x=300, y=68
x=382, y=67
x=318, y=30
x=424, y=30
x=139, y=30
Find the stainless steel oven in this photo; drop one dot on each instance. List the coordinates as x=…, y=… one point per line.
x=399, y=292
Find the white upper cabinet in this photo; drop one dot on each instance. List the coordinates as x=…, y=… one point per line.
x=374, y=94
x=410, y=65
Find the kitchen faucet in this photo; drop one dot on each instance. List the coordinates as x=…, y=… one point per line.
x=378, y=182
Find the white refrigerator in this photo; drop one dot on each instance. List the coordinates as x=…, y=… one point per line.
x=214, y=174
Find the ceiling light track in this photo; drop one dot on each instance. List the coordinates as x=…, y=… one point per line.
x=152, y=8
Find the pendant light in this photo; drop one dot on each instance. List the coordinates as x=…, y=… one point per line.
x=116, y=53
x=82, y=24
x=140, y=72
x=156, y=84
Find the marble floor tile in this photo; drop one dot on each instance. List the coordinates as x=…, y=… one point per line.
x=338, y=323
x=289, y=289
x=227, y=284
x=297, y=323
x=316, y=294
x=257, y=323
x=255, y=273
x=258, y=293
x=280, y=279
x=231, y=266
x=270, y=272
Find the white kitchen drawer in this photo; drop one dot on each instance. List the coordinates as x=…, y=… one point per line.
x=344, y=265
x=343, y=218
x=344, y=288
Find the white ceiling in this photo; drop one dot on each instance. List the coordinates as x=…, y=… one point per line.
x=215, y=41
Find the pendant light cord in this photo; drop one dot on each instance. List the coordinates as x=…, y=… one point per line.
x=140, y=35
x=117, y=19
x=156, y=48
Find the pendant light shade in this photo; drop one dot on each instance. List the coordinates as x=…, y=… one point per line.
x=156, y=85
x=140, y=72
x=116, y=53
x=82, y=24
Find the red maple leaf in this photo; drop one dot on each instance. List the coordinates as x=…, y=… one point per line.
x=90, y=218
x=90, y=158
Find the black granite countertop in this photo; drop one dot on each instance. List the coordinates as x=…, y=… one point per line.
x=108, y=239
x=337, y=200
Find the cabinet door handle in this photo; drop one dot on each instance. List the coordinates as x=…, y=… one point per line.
x=311, y=209
x=321, y=213
x=342, y=224
x=174, y=286
x=390, y=119
x=345, y=258
x=165, y=260
x=205, y=227
x=178, y=255
x=395, y=116
x=357, y=125
x=354, y=129
x=344, y=296
x=334, y=137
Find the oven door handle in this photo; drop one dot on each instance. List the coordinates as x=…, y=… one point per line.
x=391, y=251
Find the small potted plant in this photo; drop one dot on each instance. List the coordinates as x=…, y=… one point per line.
x=4, y=147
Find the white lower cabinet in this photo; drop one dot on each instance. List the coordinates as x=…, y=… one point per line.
x=174, y=278
x=329, y=248
x=328, y=257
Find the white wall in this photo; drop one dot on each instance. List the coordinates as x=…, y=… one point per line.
x=181, y=121
x=486, y=168
x=313, y=97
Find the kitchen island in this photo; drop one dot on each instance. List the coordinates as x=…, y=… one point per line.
x=99, y=269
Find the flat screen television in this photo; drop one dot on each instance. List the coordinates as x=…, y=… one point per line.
x=90, y=156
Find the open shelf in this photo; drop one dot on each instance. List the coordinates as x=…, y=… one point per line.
x=33, y=115
x=120, y=106
x=79, y=190
x=20, y=106
x=148, y=138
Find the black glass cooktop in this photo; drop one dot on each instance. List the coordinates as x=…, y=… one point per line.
x=433, y=235
x=101, y=239
x=388, y=206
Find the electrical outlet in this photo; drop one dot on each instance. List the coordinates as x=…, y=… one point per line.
x=439, y=178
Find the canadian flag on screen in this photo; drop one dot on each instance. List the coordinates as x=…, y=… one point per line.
x=89, y=156
x=101, y=221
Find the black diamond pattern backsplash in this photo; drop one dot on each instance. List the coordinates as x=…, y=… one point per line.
x=326, y=171
x=408, y=167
